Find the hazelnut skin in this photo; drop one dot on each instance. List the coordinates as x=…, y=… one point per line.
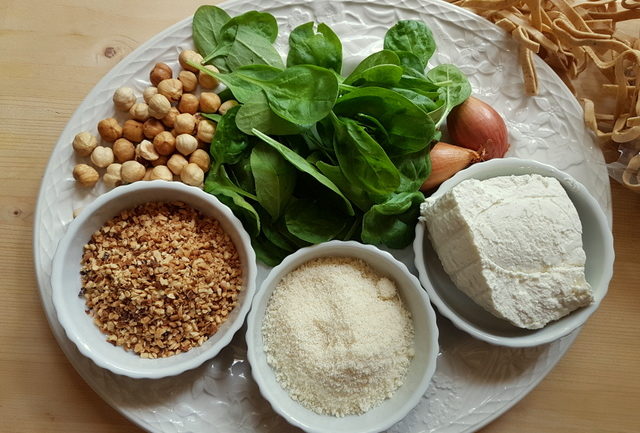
x=132, y=171
x=191, y=56
x=84, y=143
x=189, y=81
x=164, y=143
x=109, y=129
x=132, y=131
x=152, y=127
x=161, y=71
x=171, y=89
x=85, y=175
x=188, y=104
x=123, y=150
x=209, y=102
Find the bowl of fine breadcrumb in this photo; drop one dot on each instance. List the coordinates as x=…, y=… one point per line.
x=153, y=279
x=341, y=337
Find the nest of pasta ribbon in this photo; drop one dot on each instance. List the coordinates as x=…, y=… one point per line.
x=580, y=37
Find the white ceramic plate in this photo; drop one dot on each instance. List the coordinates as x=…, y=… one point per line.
x=474, y=381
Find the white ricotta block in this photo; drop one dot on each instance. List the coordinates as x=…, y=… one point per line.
x=513, y=244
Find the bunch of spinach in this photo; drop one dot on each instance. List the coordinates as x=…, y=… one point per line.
x=310, y=155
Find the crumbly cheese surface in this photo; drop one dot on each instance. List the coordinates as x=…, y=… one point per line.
x=514, y=245
x=338, y=336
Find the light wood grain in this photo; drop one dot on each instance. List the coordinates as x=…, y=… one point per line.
x=51, y=55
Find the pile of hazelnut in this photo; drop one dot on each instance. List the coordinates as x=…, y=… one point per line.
x=165, y=137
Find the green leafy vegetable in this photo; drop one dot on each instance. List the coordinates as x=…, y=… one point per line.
x=308, y=47
x=309, y=155
x=207, y=25
x=313, y=222
x=413, y=37
x=274, y=179
x=304, y=166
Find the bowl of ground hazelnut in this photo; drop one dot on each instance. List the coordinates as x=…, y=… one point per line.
x=153, y=279
x=342, y=338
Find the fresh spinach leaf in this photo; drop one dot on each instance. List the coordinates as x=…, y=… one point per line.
x=256, y=113
x=206, y=27
x=352, y=191
x=308, y=47
x=302, y=94
x=266, y=251
x=380, y=58
x=453, y=87
x=237, y=203
x=393, y=222
x=362, y=160
x=301, y=164
x=214, y=117
x=241, y=174
x=240, y=46
x=275, y=179
x=407, y=126
x=261, y=23
x=228, y=143
x=411, y=36
x=313, y=221
x=414, y=169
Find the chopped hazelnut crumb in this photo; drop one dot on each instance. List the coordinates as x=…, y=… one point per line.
x=160, y=279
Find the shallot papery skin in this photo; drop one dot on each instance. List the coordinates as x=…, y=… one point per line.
x=447, y=160
x=475, y=125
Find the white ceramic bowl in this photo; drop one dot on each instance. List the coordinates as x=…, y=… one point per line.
x=470, y=317
x=65, y=279
x=420, y=370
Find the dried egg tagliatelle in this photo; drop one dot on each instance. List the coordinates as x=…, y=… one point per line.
x=573, y=36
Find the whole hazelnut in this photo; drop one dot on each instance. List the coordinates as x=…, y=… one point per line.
x=124, y=98
x=206, y=130
x=170, y=119
x=189, y=56
x=188, y=103
x=184, y=124
x=209, y=102
x=147, y=173
x=112, y=176
x=161, y=71
x=201, y=159
x=186, y=144
x=102, y=156
x=164, y=143
x=146, y=151
x=152, y=127
x=176, y=163
x=139, y=111
x=123, y=150
x=226, y=106
x=84, y=143
x=191, y=174
x=189, y=81
x=132, y=131
x=109, y=129
x=162, y=160
x=85, y=175
x=161, y=172
x=149, y=92
x=132, y=171
x=171, y=89
x=159, y=106
x=207, y=81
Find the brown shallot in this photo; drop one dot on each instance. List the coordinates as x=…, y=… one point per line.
x=475, y=125
x=447, y=160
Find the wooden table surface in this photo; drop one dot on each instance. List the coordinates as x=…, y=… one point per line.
x=51, y=54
